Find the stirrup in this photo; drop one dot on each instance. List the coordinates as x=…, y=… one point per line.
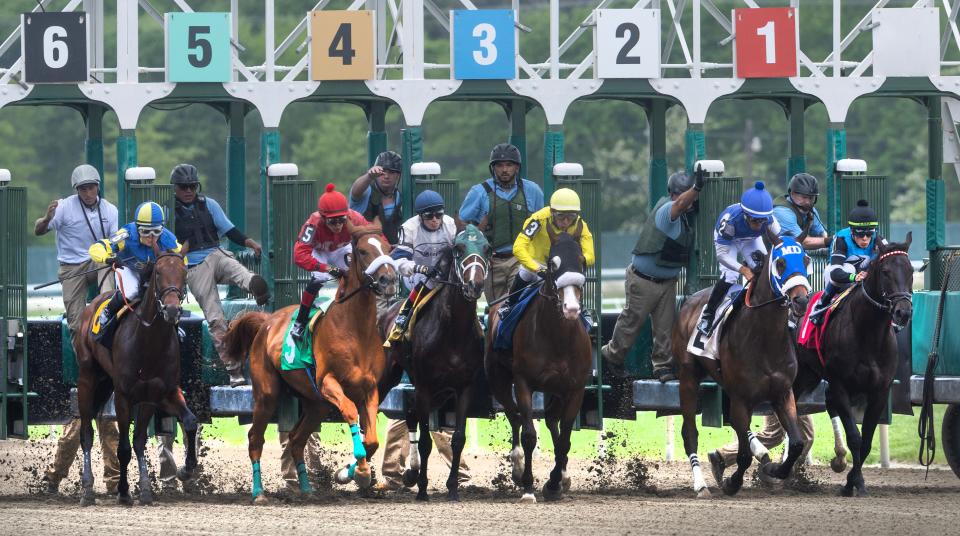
x=705, y=326
x=298, y=330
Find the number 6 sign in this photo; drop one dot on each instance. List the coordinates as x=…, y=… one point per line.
x=482, y=44
x=766, y=42
x=54, y=47
x=198, y=47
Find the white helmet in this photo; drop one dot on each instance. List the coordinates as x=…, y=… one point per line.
x=84, y=174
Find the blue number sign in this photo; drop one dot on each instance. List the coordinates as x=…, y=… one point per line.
x=198, y=47
x=483, y=43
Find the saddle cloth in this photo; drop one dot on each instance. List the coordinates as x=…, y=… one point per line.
x=294, y=356
x=698, y=345
x=503, y=339
x=810, y=335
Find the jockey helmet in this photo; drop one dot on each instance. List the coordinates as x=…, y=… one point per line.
x=84, y=174
x=184, y=174
x=426, y=201
x=389, y=161
x=756, y=201
x=504, y=152
x=149, y=215
x=679, y=182
x=565, y=200
x=862, y=216
x=332, y=203
x=804, y=184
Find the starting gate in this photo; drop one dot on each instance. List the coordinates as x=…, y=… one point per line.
x=14, y=392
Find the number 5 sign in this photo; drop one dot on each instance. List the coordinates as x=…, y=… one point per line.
x=342, y=45
x=628, y=43
x=198, y=47
x=482, y=44
x=766, y=42
x=54, y=47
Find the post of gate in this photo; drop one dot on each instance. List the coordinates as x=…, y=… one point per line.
x=14, y=395
x=718, y=193
x=140, y=186
x=426, y=175
x=853, y=184
x=291, y=200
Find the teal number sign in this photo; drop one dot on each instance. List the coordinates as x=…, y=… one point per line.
x=198, y=47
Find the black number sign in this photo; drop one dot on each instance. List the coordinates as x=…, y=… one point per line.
x=344, y=50
x=202, y=57
x=54, y=47
x=624, y=56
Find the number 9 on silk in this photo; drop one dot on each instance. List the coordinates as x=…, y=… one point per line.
x=483, y=44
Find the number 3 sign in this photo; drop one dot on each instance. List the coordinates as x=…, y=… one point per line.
x=198, y=47
x=483, y=45
x=628, y=43
x=54, y=47
x=766, y=42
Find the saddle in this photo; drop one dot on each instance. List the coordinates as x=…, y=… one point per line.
x=106, y=339
x=503, y=339
x=422, y=299
x=811, y=335
x=707, y=347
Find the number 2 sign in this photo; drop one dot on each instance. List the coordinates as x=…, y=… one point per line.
x=198, y=47
x=628, y=43
x=54, y=47
x=483, y=45
x=342, y=45
x=766, y=42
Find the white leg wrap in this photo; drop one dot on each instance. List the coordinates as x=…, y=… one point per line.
x=786, y=447
x=698, y=482
x=413, y=458
x=837, y=435
x=758, y=450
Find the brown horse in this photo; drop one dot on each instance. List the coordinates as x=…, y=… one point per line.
x=349, y=362
x=551, y=354
x=756, y=362
x=143, y=372
x=860, y=352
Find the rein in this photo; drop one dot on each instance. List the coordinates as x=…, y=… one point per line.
x=891, y=299
x=366, y=280
x=158, y=295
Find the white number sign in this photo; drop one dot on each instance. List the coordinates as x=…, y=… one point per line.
x=627, y=43
x=487, y=55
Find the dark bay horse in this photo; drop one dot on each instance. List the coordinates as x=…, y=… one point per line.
x=445, y=353
x=551, y=354
x=143, y=372
x=756, y=362
x=349, y=359
x=860, y=351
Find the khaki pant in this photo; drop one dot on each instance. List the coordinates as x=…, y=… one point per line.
x=75, y=288
x=69, y=443
x=502, y=272
x=311, y=451
x=397, y=448
x=218, y=267
x=645, y=299
x=771, y=436
x=168, y=463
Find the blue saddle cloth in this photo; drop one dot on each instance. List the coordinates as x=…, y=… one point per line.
x=504, y=336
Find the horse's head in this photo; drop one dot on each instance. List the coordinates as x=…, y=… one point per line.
x=789, y=266
x=566, y=267
x=169, y=280
x=470, y=251
x=890, y=281
x=371, y=257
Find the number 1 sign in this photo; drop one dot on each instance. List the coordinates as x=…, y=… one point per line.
x=766, y=42
x=627, y=42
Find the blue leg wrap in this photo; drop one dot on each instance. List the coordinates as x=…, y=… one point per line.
x=358, y=450
x=351, y=470
x=257, y=483
x=305, y=486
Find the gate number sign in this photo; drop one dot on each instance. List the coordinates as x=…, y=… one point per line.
x=198, y=47
x=766, y=43
x=342, y=45
x=628, y=43
x=54, y=47
x=482, y=44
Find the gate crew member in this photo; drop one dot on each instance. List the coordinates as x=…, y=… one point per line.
x=376, y=194
x=77, y=220
x=662, y=249
x=797, y=215
x=499, y=206
x=200, y=223
x=740, y=229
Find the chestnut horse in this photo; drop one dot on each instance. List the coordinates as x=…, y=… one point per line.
x=349, y=359
x=143, y=372
x=756, y=362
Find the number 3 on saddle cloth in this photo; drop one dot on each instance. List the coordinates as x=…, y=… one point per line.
x=503, y=341
x=811, y=335
x=707, y=347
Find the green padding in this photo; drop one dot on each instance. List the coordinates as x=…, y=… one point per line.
x=294, y=356
x=637, y=362
x=71, y=371
x=924, y=321
x=936, y=214
x=696, y=147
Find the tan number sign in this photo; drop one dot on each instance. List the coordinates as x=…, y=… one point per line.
x=342, y=45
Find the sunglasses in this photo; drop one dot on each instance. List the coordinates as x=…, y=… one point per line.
x=756, y=220
x=150, y=232
x=863, y=234
x=340, y=220
x=566, y=215
x=435, y=215
x=188, y=187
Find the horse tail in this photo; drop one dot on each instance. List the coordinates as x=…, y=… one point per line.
x=241, y=333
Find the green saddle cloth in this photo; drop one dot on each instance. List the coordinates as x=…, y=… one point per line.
x=294, y=356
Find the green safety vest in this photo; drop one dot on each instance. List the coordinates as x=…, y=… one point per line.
x=390, y=225
x=804, y=220
x=505, y=218
x=652, y=241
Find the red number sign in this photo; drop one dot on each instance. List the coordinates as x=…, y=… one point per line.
x=766, y=42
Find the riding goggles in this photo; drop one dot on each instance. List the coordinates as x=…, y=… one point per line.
x=756, y=221
x=432, y=215
x=189, y=187
x=147, y=231
x=863, y=233
x=569, y=216
x=339, y=220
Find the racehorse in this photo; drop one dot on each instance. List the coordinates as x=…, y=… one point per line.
x=349, y=357
x=551, y=354
x=142, y=370
x=445, y=353
x=756, y=361
x=860, y=352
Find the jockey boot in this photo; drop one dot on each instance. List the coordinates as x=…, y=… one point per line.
x=303, y=315
x=403, y=318
x=705, y=326
x=110, y=311
x=514, y=295
x=258, y=287
x=819, y=308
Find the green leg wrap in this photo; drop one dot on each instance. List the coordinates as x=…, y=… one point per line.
x=305, y=486
x=257, y=483
x=351, y=470
x=359, y=451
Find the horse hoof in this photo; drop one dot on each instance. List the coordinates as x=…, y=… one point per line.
x=343, y=476
x=453, y=496
x=186, y=475
x=88, y=498
x=261, y=499
x=552, y=494
x=124, y=500
x=565, y=482
x=422, y=496
x=704, y=493
x=363, y=477
x=729, y=488
x=410, y=478
x=528, y=498
x=839, y=464
x=768, y=474
x=146, y=499
x=846, y=491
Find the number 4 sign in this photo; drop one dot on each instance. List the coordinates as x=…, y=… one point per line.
x=342, y=45
x=766, y=42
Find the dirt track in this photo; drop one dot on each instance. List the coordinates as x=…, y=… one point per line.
x=612, y=496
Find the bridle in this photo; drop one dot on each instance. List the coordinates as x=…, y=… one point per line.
x=779, y=294
x=887, y=301
x=367, y=281
x=468, y=264
x=158, y=295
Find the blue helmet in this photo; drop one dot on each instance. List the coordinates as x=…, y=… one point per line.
x=756, y=201
x=426, y=201
x=149, y=215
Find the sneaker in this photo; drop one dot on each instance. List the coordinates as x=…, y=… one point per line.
x=236, y=375
x=717, y=466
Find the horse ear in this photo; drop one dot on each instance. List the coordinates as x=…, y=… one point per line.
x=460, y=224
x=909, y=240
x=551, y=233
x=773, y=238
x=348, y=225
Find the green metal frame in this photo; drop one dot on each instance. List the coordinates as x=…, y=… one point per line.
x=14, y=395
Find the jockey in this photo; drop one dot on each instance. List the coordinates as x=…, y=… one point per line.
x=532, y=245
x=132, y=248
x=423, y=239
x=322, y=248
x=740, y=229
x=853, y=249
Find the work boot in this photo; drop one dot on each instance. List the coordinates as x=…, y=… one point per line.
x=665, y=374
x=258, y=287
x=611, y=365
x=705, y=326
x=236, y=375
x=717, y=466
x=514, y=296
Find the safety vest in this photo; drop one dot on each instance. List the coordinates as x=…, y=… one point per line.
x=505, y=217
x=390, y=225
x=195, y=226
x=805, y=221
x=652, y=241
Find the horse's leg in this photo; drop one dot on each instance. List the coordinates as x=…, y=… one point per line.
x=689, y=395
x=311, y=415
x=839, y=400
x=457, y=443
x=425, y=444
x=786, y=410
x=552, y=414
x=528, y=437
x=145, y=412
x=333, y=392
x=839, y=461
x=266, y=393
x=123, y=447
x=740, y=421
x=412, y=471
x=876, y=404
x=88, y=409
x=501, y=386
x=368, y=422
x=559, y=482
x=175, y=404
